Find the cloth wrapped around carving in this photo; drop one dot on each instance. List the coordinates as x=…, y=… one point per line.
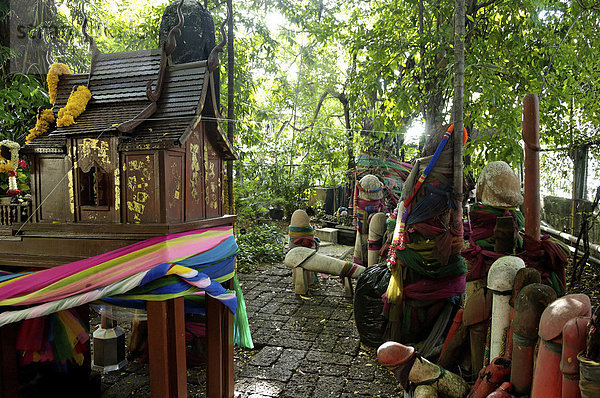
x=548, y=256
x=364, y=209
x=426, y=265
x=480, y=254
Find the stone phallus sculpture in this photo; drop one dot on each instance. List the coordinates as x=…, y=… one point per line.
x=368, y=200
x=408, y=366
x=302, y=260
x=499, y=186
x=529, y=304
x=547, y=378
x=500, y=280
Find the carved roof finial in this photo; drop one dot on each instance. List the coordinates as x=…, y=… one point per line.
x=49, y=59
x=93, y=48
x=171, y=43
x=213, y=58
x=87, y=37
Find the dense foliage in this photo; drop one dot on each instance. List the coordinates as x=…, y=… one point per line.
x=260, y=244
x=318, y=81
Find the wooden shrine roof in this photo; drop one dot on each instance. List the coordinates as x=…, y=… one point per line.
x=118, y=86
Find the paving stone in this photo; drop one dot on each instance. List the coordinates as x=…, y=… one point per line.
x=310, y=367
x=266, y=356
x=251, y=308
x=291, y=343
x=268, y=388
x=291, y=299
x=324, y=369
x=311, y=299
x=328, y=386
x=248, y=284
x=287, y=309
x=243, y=385
x=304, y=325
x=273, y=317
x=343, y=328
x=294, y=335
x=300, y=385
x=261, y=336
x=325, y=342
x=330, y=369
x=254, y=276
x=264, y=323
x=360, y=387
x=362, y=368
x=290, y=358
x=326, y=357
x=268, y=373
x=314, y=311
x=341, y=315
x=306, y=346
x=348, y=395
x=347, y=345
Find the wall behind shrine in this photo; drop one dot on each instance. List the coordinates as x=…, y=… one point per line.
x=558, y=212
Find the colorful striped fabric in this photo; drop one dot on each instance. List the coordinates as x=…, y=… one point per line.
x=184, y=264
x=392, y=172
x=398, y=238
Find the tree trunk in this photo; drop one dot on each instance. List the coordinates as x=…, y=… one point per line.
x=459, y=83
x=28, y=16
x=230, y=103
x=349, y=132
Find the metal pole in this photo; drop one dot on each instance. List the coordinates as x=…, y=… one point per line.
x=531, y=137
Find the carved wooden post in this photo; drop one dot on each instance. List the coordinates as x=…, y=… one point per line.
x=531, y=137
x=166, y=347
x=219, y=332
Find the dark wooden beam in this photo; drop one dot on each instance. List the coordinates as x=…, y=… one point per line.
x=166, y=348
x=214, y=350
x=9, y=371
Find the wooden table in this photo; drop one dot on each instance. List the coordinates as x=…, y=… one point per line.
x=166, y=346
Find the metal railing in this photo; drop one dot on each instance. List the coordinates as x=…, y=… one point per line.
x=14, y=213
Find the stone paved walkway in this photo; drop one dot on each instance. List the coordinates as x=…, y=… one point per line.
x=306, y=346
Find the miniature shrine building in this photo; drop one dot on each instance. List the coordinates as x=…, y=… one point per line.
x=145, y=158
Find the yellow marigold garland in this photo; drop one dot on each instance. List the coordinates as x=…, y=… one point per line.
x=75, y=106
x=44, y=120
x=56, y=70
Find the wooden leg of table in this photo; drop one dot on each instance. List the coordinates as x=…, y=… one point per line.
x=166, y=348
x=228, y=349
x=214, y=351
x=9, y=372
x=177, y=363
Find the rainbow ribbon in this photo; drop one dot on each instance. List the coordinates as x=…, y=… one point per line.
x=184, y=264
